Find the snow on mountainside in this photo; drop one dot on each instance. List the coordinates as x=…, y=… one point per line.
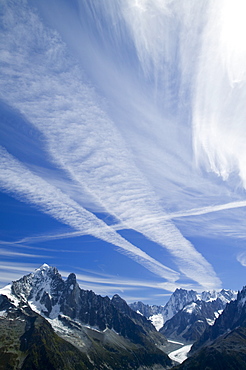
x=223, y=345
x=81, y=317
x=233, y=316
x=182, y=298
x=157, y=321
x=74, y=312
x=192, y=320
x=88, y=321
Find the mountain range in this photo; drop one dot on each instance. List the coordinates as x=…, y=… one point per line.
x=223, y=345
x=54, y=324
x=47, y=322
x=187, y=313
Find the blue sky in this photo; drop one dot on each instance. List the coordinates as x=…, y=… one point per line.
x=122, y=153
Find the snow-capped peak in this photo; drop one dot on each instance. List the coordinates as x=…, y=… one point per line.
x=190, y=307
x=8, y=293
x=182, y=298
x=44, y=271
x=44, y=266
x=224, y=295
x=39, y=289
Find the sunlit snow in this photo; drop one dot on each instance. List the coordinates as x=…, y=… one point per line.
x=180, y=354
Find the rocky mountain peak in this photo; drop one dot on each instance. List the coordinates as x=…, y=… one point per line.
x=242, y=296
x=71, y=279
x=187, y=313
x=45, y=271
x=44, y=267
x=119, y=302
x=232, y=318
x=63, y=300
x=223, y=344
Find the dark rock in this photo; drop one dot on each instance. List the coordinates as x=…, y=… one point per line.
x=108, y=330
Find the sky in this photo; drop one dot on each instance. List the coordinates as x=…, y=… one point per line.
x=122, y=143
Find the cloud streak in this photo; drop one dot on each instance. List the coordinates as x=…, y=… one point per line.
x=205, y=210
x=8, y=253
x=220, y=89
x=11, y=271
x=241, y=257
x=50, y=90
x=19, y=181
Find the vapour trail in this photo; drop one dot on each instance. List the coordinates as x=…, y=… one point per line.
x=205, y=210
x=84, y=141
x=22, y=183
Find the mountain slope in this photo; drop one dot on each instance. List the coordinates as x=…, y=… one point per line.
x=176, y=302
x=227, y=352
x=181, y=298
x=223, y=345
x=187, y=313
x=233, y=316
x=190, y=322
x=107, y=333
x=27, y=341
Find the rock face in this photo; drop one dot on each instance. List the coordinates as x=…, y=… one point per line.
x=106, y=332
x=147, y=310
x=190, y=322
x=27, y=341
x=188, y=313
x=223, y=345
x=233, y=316
x=179, y=299
x=176, y=302
x=51, y=296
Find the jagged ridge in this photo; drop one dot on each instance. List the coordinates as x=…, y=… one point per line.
x=105, y=330
x=187, y=313
x=223, y=345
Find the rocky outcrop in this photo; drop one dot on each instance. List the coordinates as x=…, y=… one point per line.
x=223, y=345
x=107, y=331
x=187, y=313
x=190, y=322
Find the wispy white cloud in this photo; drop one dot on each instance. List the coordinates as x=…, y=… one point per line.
x=205, y=210
x=103, y=284
x=241, y=257
x=51, y=91
x=9, y=253
x=18, y=180
x=123, y=282
x=46, y=237
x=11, y=271
x=220, y=88
x=18, y=244
x=226, y=226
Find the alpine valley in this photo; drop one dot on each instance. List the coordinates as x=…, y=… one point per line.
x=50, y=323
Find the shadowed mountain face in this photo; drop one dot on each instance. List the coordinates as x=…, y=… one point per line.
x=177, y=301
x=226, y=352
x=27, y=341
x=223, y=345
x=190, y=322
x=187, y=313
x=52, y=297
x=96, y=331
